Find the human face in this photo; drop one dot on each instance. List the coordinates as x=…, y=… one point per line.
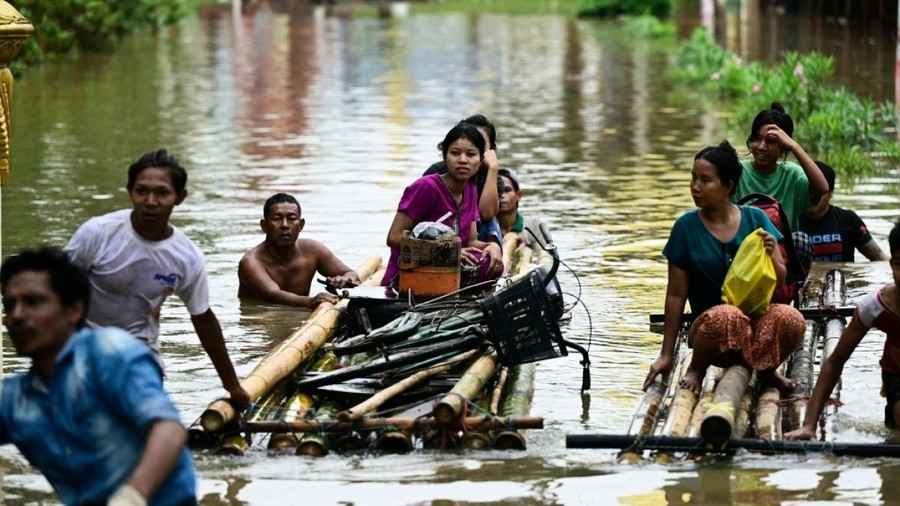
x=707, y=188
x=765, y=148
x=153, y=198
x=463, y=159
x=283, y=224
x=509, y=197
x=37, y=322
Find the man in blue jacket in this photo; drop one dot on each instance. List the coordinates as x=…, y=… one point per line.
x=91, y=413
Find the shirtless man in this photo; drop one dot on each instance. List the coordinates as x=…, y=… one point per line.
x=281, y=268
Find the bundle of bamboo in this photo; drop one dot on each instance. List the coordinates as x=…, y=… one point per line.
x=429, y=372
x=732, y=404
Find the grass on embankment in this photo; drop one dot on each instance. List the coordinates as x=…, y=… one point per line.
x=854, y=135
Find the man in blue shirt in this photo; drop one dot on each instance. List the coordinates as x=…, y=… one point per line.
x=91, y=413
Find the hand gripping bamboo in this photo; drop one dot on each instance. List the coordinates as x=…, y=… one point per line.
x=278, y=364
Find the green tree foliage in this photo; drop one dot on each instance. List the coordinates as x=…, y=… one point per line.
x=658, y=8
x=850, y=133
x=94, y=25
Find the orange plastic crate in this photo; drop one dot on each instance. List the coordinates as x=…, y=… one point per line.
x=429, y=281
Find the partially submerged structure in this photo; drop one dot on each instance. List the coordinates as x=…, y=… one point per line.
x=732, y=410
x=381, y=370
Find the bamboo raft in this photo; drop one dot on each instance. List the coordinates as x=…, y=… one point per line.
x=426, y=375
x=732, y=410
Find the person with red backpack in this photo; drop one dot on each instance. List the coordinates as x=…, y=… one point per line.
x=797, y=252
x=700, y=249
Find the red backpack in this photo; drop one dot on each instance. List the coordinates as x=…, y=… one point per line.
x=796, y=274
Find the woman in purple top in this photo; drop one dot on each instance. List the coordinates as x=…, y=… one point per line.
x=451, y=194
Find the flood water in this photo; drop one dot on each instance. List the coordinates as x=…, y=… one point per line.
x=343, y=113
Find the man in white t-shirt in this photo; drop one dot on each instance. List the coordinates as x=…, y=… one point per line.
x=135, y=258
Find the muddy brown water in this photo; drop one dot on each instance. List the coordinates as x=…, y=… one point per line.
x=344, y=112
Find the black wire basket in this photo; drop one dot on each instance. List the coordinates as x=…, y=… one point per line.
x=523, y=322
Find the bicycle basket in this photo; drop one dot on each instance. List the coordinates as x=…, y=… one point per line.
x=522, y=324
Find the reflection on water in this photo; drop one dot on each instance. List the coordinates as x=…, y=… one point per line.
x=344, y=113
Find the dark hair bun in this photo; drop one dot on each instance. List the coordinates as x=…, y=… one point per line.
x=776, y=106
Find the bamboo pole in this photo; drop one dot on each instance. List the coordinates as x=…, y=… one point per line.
x=519, y=390
x=835, y=295
x=510, y=245
x=680, y=412
x=713, y=375
x=449, y=410
x=742, y=422
x=768, y=415
x=374, y=402
x=477, y=439
x=518, y=386
x=524, y=258
x=233, y=444
x=801, y=375
x=395, y=441
x=719, y=421
x=480, y=422
x=648, y=408
x=682, y=405
x=297, y=407
x=277, y=365
x=517, y=402
x=833, y=330
x=647, y=412
x=350, y=442
x=497, y=394
x=316, y=443
x=199, y=439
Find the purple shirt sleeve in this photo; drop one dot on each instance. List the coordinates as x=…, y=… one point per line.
x=416, y=200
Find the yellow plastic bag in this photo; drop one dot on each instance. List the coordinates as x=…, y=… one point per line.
x=750, y=280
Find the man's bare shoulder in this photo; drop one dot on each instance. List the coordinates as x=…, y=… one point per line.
x=312, y=247
x=254, y=255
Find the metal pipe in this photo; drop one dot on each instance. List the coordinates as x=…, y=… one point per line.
x=402, y=423
x=698, y=445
